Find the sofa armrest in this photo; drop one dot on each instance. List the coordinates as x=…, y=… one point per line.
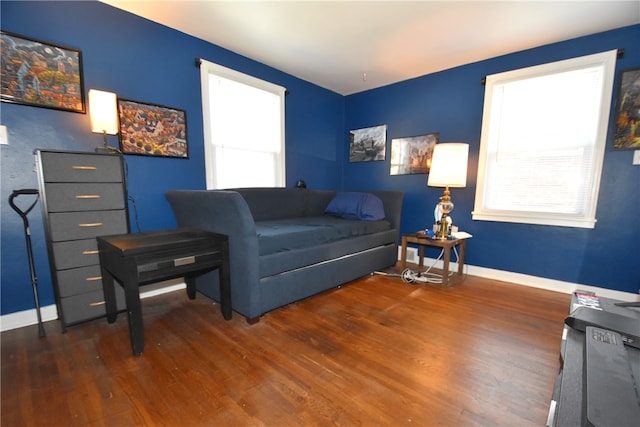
x=392, y=201
x=226, y=212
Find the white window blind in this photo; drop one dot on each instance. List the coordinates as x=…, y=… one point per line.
x=244, y=129
x=542, y=143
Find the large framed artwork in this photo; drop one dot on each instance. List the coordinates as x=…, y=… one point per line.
x=40, y=74
x=152, y=130
x=627, y=116
x=412, y=155
x=368, y=144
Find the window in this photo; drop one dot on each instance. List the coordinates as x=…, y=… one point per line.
x=243, y=129
x=542, y=146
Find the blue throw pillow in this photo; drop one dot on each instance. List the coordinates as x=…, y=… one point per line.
x=354, y=205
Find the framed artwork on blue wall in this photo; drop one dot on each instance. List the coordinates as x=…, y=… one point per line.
x=368, y=144
x=412, y=155
x=626, y=134
x=40, y=74
x=152, y=130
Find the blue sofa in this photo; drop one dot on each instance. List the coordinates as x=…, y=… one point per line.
x=284, y=245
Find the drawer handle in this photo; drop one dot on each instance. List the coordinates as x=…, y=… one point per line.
x=91, y=224
x=184, y=261
x=93, y=279
x=88, y=196
x=90, y=252
x=84, y=168
x=96, y=304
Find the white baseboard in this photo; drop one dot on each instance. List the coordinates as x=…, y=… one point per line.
x=29, y=317
x=24, y=318
x=523, y=279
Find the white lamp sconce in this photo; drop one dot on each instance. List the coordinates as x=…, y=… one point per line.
x=448, y=169
x=103, y=112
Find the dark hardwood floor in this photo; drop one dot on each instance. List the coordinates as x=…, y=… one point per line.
x=376, y=352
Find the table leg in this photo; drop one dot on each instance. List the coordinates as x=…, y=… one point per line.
x=190, y=281
x=109, y=291
x=421, y=255
x=445, y=266
x=463, y=245
x=403, y=253
x=225, y=284
x=134, y=309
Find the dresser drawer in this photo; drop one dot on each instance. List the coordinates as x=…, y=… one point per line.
x=83, y=307
x=75, y=253
x=85, y=225
x=84, y=197
x=74, y=167
x=79, y=280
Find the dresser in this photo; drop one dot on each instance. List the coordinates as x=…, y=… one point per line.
x=83, y=195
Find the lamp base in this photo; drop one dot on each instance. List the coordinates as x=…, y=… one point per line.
x=443, y=231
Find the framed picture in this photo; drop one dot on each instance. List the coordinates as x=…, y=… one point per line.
x=412, y=155
x=152, y=130
x=368, y=144
x=40, y=74
x=627, y=118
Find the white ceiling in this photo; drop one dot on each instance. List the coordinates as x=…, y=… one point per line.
x=351, y=46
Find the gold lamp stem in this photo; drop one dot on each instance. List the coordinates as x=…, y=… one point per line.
x=446, y=206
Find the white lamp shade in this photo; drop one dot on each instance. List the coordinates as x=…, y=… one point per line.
x=103, y=111
x=449, y=165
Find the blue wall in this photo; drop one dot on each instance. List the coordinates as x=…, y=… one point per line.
x=144, y=61
x=148, y=62
x=451, y=103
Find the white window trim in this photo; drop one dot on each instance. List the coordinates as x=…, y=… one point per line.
x=588, y=218
x=207, y=68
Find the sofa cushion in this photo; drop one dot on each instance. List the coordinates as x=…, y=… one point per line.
x=355, y=205
x=294, y=233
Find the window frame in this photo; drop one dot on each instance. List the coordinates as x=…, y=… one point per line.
x=206, y=69
x=587, y=219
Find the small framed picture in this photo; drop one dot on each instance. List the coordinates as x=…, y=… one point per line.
x=626, y=135
x=40, y=74
x=368, y=144
x=152, y=130
x=412, y=155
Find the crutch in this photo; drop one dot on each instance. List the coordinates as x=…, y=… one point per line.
x=27, y=234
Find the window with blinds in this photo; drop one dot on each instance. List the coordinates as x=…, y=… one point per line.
x=542, y=145
x=244, y=129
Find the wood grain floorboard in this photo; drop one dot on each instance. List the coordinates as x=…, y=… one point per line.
x=375, y=352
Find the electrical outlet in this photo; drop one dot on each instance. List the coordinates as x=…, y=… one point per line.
x=4, y=136
x=636, y=157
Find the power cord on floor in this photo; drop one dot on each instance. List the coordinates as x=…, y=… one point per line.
x=426, y=276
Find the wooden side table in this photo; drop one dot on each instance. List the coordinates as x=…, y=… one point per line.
x=422, y=240
x=142, y=258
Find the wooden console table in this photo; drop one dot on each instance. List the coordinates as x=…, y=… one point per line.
x=422, y=240
x=142, y=258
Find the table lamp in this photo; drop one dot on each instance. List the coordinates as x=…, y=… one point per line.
x=103, y=112
x=448, y=169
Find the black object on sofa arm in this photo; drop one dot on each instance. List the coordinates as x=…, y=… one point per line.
x=282, y=246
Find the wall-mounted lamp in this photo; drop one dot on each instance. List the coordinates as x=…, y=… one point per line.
x=103, y=111
x=448, y=169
